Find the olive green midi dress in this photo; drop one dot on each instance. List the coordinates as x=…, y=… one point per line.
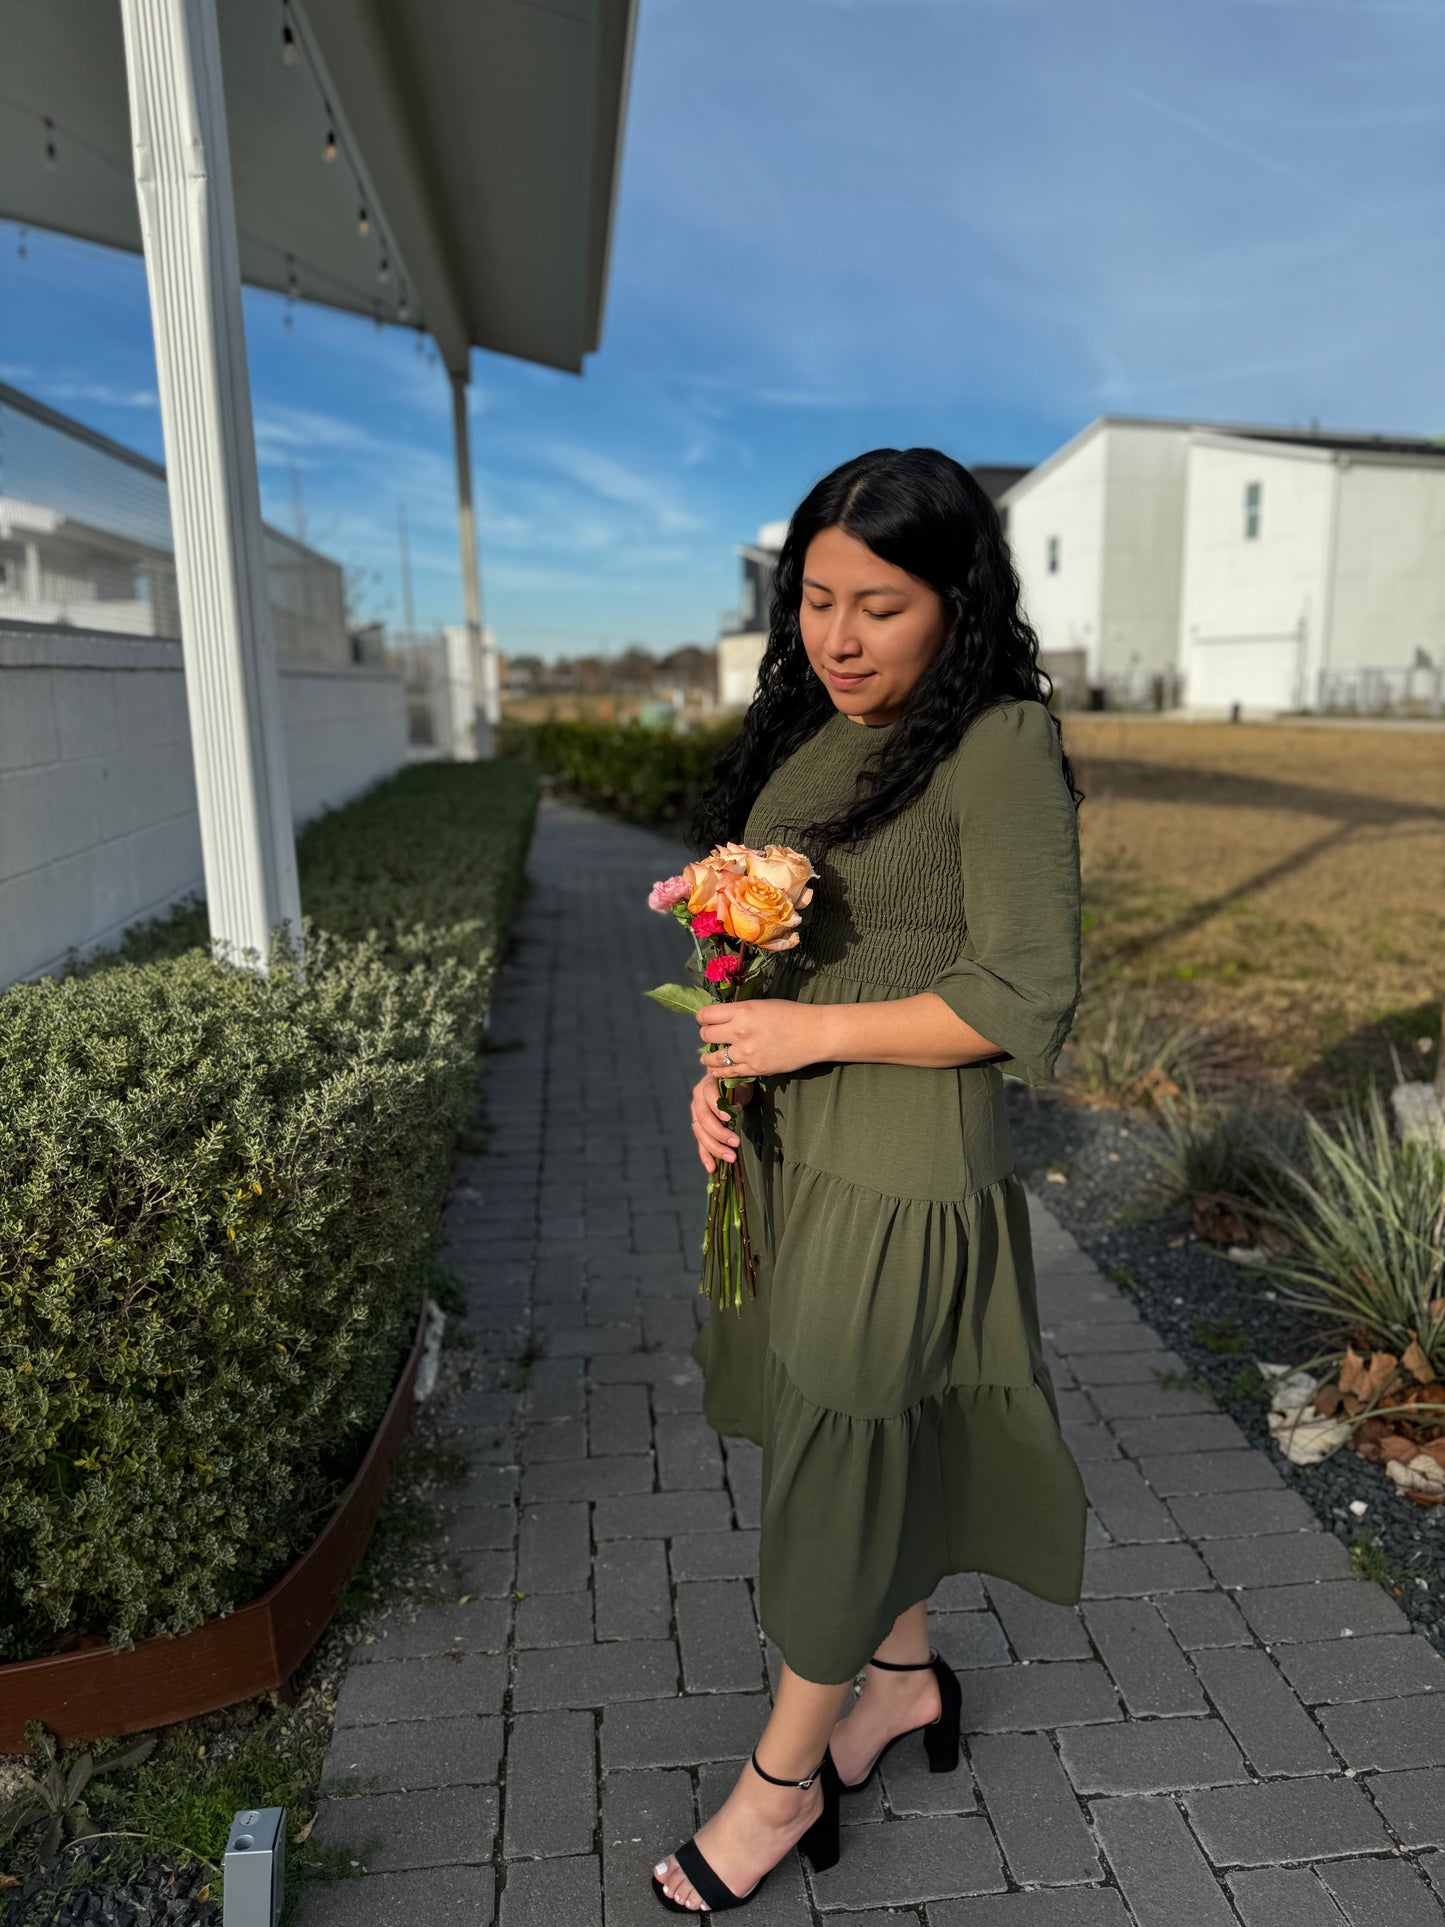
x=890, y=1365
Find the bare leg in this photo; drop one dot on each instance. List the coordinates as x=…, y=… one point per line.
x=890, y=1703
x=757, y=1824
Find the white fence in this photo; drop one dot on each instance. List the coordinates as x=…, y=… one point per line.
x=98, y=823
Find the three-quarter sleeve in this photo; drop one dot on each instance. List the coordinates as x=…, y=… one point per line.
x=1016, y=977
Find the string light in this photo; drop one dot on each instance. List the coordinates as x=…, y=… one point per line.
x=21, y=240
x=290, y=52
x=51, y=156
x=363, y=223
x=383, y=272
x=329, y=151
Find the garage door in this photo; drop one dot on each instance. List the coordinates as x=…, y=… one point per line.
x=1258, y=671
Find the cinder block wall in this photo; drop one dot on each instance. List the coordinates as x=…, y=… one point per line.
x=98, y=823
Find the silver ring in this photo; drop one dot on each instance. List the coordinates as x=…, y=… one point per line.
x=727, y=1056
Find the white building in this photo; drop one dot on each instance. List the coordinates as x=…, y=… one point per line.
x=1274, y=568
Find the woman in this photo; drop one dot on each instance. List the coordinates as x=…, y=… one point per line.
x=889, y=1365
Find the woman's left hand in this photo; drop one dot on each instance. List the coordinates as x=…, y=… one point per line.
x=763, y=1036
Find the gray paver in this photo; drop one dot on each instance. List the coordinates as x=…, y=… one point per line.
x=554, y=1552
x=633, y=1597
x=1174, y=1473
x=636, y=1669
x=1151, y=1437
x=1203, y=1619
x=410, y=1755
x=1333, y=1609
x=1059, y=1907
x=1382, y=1667
x=1164, y=1877
x=1280, y=1559
x=1242, y=1515
x=658, y=1515
x=682, y=1732
x=912, y=1861
x=1381, y=1893
x=1150, y=1756
x=1139, y=1651
x=731, y=1554
x=401, y=1832
x=1388, y=1733
x=554, y=1619
x=478, y=1627
x=543, y=1893
x=645, y=1815
x=718, y=1637
x=551, y=1785
x=1283, y=1897
x=421, y=1689
x=1273, y=1729
x=1035, y=1815
x=618, y=1419
x=1130, y=1511
x=1036, y=1628
x=969, y=1639
x=1256, y=1826
x=1020, y=1699
x=1413, y=1803
x=597, y=1478
x=688, y=1454
x=1118, y=1572
x=442, y=1897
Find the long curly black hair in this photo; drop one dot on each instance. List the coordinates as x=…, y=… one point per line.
x=923, y=512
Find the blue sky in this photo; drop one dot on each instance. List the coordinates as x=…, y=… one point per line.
x=847, y=223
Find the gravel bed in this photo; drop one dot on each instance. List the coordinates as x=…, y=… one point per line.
x=1203, y=1305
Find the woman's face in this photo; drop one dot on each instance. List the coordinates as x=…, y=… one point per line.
x=870, y=629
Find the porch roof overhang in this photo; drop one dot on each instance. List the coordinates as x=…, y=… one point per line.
x=482, y=138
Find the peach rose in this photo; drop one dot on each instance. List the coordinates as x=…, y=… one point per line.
x=757, y=912
x=788, y=870
x=704, y=877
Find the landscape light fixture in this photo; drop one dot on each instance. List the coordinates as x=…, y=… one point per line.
x=255, y=1867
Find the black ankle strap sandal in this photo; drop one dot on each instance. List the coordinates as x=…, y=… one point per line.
x=819, y=1843
x=940, y=1736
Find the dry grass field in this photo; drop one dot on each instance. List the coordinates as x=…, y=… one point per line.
x=1282, y=884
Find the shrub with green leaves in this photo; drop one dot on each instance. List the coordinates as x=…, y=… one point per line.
x=651, y=776
x=217, y=1194
x=1123, y=1053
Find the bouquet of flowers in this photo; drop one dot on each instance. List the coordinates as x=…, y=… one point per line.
x=740, y=906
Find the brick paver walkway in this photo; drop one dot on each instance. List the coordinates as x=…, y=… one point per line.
x=1233, y=1728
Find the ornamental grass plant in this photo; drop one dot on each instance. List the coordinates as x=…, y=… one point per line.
x=218, y=1190
x=1364, y=1213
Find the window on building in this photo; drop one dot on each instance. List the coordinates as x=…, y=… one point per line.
x=1253, y=491
x=1053, y=555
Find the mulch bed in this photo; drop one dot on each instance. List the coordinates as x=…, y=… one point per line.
x=1218, y=1316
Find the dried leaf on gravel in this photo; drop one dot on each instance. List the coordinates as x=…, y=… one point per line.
x=1416, y=1363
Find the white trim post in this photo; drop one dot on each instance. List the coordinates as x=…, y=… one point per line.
x=483, y=672
x=188, y=226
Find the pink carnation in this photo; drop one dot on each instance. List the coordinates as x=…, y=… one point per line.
x=722, y=969
x=706, y=923
x=662, y=896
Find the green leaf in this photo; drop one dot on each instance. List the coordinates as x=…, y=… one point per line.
x=128, y=1756
x=678, y=997
x=79, y=1778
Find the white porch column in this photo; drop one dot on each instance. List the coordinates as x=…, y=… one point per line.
x=188, y=224
x=477, y=638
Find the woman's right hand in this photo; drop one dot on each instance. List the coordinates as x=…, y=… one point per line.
x=710, y=1123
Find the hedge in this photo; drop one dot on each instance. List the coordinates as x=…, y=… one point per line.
x=649, y=776
x=218, y=1191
